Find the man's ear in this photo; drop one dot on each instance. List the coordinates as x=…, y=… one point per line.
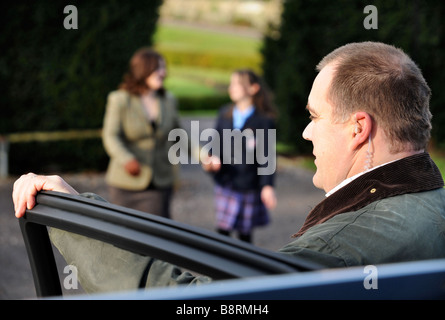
x=361, y=129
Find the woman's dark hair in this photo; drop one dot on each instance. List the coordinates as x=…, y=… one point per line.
x=142, y=64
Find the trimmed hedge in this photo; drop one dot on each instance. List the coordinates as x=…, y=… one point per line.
x=212, y=60
x=204, y=103
x=57, y=156
x=54, y=78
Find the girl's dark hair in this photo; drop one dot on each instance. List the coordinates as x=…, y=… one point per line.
x=142, y=64
x=262, y=100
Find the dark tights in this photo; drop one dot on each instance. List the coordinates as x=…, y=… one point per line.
x=241, y=236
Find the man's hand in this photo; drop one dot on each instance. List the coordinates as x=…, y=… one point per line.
x=27, y=186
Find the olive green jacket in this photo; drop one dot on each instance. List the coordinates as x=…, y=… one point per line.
x=127, y=135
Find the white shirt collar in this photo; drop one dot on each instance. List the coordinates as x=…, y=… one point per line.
x=348, y=180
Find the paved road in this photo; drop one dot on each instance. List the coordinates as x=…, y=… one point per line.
x=192, y=204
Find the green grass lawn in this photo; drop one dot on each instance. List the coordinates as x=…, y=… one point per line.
x=200, y=62
x=190, y=81
x=191, y=39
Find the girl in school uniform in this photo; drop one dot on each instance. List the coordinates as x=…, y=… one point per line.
x=242, y=196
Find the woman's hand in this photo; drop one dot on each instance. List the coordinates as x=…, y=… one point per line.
x=133, y=167
x=27, y=186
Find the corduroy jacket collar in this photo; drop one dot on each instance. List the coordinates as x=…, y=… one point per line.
x=408, y=175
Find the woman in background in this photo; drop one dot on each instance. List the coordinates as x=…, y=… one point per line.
x=242, y=197
x=139, y=116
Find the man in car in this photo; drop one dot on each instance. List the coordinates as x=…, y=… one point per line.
x=370, y=126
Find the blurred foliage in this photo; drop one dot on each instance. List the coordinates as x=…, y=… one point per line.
x=52, y=78
x=188, y=46
x=57, y=156
x=203, y=103
x=311, y=29
x=200, y=62
x=220, y=61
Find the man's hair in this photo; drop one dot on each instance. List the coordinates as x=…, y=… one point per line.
x=383, y=81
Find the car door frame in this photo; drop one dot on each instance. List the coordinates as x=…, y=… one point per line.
x=194, y=248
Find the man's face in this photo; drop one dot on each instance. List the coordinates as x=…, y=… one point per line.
x=330, y=140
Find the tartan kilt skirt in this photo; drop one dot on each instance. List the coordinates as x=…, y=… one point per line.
x=237, y=210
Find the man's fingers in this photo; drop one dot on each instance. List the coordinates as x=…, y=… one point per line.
x=23, y=195
x=27, y=186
